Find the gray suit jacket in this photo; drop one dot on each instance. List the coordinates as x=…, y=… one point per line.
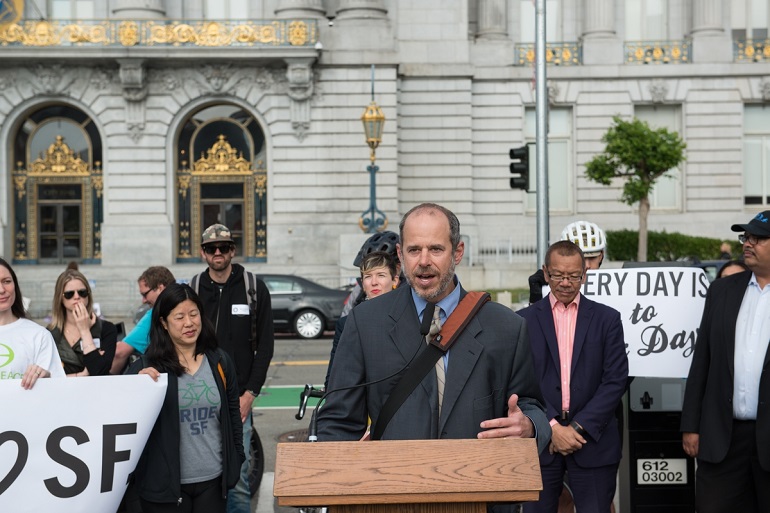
x=490, y=361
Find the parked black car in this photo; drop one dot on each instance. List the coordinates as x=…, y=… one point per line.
x=302, y=306
x=299, y=305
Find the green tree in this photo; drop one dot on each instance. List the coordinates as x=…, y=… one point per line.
x=640, y=155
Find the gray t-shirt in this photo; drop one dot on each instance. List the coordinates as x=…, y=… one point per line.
x=200, y=444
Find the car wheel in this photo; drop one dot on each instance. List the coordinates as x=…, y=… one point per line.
x=309, y=324
x=257, y=462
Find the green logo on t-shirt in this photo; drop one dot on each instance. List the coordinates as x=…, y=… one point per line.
x=6, y=355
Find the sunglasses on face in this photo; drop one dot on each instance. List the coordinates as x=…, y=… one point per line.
x=83, y=293
x=211, y=249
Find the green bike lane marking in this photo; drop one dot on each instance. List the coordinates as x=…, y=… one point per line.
x=282, y=397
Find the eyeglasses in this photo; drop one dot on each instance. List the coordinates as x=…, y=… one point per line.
x=558, y=278
x=211, y=249
x=144, y=294
x=751, y=239
x=83, y=293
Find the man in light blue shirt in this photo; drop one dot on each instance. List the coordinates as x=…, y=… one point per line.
x=151, y=283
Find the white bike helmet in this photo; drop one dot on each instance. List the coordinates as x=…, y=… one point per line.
x=587, y=235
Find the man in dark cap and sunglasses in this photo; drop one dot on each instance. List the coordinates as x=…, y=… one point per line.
x=726, y=409
x=238, y=305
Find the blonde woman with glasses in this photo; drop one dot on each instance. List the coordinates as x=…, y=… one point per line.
x=86, y=344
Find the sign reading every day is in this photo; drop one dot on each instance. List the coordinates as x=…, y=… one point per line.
x=661, y=309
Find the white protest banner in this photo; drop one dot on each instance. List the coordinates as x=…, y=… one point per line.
x=70, y=444
x=661, y=308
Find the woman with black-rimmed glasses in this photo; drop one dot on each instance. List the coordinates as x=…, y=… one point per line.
x=86, y=344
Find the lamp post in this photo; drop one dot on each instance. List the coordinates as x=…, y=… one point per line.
x=373, y=219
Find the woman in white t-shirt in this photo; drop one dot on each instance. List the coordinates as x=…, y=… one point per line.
x=27, y=350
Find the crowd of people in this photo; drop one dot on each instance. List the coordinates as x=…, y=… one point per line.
x=555, y=371
x=216, y=335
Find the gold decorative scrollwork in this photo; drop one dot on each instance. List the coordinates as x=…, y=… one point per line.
x=752, y=51
x=222, y=159
x=174, y=34
x=558, y=54
x=297, y=33
x=260, y=186
x=20, y=184
x=98, y=184
x=128, y=33
x=46, y=33
x=59, y=160
x=21, y=244
x=250, y=34
x=658, y=52
x=183, y=182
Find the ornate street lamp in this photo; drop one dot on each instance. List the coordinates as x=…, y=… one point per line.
x=373, y=219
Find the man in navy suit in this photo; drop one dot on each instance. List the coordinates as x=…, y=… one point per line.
x=580, y=358
x=726, y=409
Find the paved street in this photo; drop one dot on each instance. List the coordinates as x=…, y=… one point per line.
x=295, y=363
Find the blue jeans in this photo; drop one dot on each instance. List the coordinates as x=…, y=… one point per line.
x=239, y=498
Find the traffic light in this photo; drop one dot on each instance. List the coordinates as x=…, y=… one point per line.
x=520, y=167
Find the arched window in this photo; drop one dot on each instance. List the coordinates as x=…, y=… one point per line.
x=221, y=178
x=57, y=188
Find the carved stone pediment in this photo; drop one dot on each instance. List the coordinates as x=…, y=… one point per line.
x=658, y=90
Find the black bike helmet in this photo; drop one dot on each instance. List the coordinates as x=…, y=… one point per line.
x=384, y=241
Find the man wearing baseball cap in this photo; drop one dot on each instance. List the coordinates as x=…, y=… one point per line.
x=238, y=305
x=726, y=410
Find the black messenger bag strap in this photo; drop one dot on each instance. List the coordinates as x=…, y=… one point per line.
x=426, y=360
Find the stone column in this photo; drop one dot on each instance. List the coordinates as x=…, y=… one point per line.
x=492, y=46
x=599, y=19
x=492, y=19
x=136, y=9
x=359, y=25
x=707, y=18
x=710, y=41
x=300, y=9
x=360, y=9
x=601, y=44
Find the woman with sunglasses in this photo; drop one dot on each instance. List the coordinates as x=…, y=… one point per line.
x=86, y=343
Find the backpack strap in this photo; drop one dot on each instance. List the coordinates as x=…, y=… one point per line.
x=251, y=295
x=194, y=283
x=222, y=373
x=426, y=360
x=220, y=368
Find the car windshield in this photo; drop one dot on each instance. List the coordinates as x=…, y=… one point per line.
x=277, y=284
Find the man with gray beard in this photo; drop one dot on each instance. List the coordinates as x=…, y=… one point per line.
x=490, y=391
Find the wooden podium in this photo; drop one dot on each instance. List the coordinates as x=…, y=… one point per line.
x=409, y=476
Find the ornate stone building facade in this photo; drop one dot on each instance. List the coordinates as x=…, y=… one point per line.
x=127, y=126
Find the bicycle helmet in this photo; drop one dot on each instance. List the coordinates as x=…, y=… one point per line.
x=383, y=241
x=587, y=235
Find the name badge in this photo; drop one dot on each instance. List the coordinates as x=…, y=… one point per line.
x=240, y=310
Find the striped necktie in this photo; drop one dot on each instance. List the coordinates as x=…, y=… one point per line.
x=435, y=327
